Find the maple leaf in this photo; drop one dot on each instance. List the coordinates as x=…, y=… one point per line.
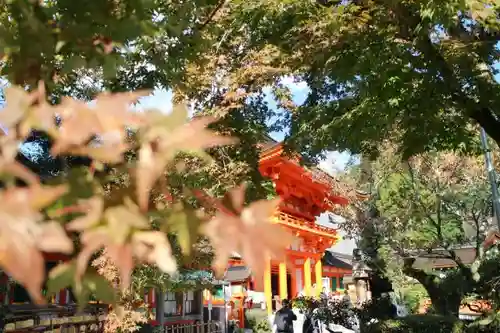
x=107, y=152
x=41, y=116
x=111, y=236
x=124, y=236
x=22, y=260
x=153, y=247
x=93, y=209
x=17, y=104
x=9, y=144
x=185, y=224
x=27, y=111
x=161, y=142
x=98, y=131
x=114, y=112
x=22, y=236
x=51, y=237
x=248, y=231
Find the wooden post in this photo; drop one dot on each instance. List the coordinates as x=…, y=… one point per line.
x=283, y=281
x=268, y=292
x=160, y=307
x=307, y=277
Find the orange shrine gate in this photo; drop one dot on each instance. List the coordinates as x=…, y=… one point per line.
x=304, y=198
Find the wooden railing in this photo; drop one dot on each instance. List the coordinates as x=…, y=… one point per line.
x=210, y=327
x=54, y=318
x=292, y=221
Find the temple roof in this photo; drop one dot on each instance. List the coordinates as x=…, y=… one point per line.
x=237, y=274
x=337, y=260
x=269, y=144
x=438, y=259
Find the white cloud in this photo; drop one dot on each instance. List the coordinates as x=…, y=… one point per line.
x=161, y=99
x=294, y=85
x=344, y=245
x=334, y=162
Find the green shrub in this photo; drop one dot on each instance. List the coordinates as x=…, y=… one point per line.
x=413, y=295
x=254, y=316
x=380, y=308
x=479, y=326
x=263, y=326
x=418, y=324
x=306, y=304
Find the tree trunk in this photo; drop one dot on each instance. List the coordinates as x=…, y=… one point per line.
x=445, y=301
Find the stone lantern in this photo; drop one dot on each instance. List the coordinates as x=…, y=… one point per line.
x=361, y=277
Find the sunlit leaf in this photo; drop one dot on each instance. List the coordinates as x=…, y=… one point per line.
x=53, y=238
x=249, y=233
x=153, y=247
x=92, y=209
x=185, y=224
x=154, y=155
x=17, y=102
x=92, y=283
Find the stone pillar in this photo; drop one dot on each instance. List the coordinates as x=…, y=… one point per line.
x=361, y=290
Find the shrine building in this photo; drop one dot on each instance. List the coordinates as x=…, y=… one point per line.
x=305, y=195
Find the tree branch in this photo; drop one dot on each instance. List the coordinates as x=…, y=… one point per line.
x=489, y=121
x=479, y=111
x=211, y=15
x=427, y=280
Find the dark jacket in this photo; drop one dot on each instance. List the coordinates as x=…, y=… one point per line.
x=284, y=320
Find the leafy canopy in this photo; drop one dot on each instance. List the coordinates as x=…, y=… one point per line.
x=417, y=72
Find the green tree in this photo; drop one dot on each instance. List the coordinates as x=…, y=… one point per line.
x=427, y=207
x=418, y=72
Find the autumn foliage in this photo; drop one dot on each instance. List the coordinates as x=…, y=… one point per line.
x=65, y=218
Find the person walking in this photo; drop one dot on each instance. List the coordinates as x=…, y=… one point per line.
x=346, y=298
x=284, y=318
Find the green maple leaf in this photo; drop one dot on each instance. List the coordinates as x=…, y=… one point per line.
x=184, y=223
x=91, y=284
